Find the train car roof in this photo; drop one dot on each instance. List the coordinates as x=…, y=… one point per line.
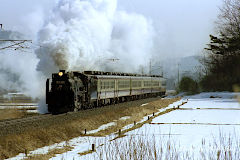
x=119, y=74
x=122, y=77
x=116, y=75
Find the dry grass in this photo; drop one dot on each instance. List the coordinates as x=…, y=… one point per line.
x=10, y=114
x=136, y=113
x=14, y=113
x=226, y=147
x=11, y=145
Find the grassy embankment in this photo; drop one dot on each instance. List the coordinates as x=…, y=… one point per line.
x=15, y=113
x=64, y=129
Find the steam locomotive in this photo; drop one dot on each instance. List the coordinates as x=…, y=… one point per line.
x=73, y=91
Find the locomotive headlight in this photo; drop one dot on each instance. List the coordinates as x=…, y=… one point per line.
x=60, y=74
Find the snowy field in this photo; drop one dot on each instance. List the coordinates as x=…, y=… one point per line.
x=203, y=125
x=29, y=107
x=18, y=105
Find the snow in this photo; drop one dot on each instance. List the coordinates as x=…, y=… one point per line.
x=103, y=127
x=100, y=142
x=18, y=105
x=144, y=104
x=124, y=118
x=80, y=144
x=205, y=118
x=188, y=126
x=32, y=111
x=202, y=119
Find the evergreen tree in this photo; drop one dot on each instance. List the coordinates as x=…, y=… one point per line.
x=222, y=61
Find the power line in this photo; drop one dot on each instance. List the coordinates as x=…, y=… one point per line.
x=113, y=59
x=15, y=44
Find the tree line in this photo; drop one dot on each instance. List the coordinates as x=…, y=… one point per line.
x=221, y=60
x=222, y=57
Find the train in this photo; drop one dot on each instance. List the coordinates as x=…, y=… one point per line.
x=73, y=90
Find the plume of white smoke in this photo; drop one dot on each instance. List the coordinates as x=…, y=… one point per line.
x=18, y=69
x=82, y=35
x=77, y=35
x=18, y=73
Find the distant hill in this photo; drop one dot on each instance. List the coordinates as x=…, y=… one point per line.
x=187, y=66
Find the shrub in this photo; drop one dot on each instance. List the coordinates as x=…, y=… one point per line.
x=188, y=85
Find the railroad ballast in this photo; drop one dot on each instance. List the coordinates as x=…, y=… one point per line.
x=73, y=91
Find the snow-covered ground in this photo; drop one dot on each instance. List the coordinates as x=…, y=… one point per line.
x=29, y=107
x=18, y=105
x=197, y=120
x=190, y=128
x=201, y=124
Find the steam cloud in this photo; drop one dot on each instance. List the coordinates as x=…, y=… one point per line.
x=77, y=35
x=18, y=69
x=84, y=35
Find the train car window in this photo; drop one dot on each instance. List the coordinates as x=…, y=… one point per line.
x=107, y=84
x=136, y=84
x=123, y=84
x=102, y=85
x=147, y=83
x=155, y=83
x=112, y=84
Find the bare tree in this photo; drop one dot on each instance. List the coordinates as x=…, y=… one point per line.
x=229, y=18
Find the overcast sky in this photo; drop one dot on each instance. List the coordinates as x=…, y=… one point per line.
x=182, y=26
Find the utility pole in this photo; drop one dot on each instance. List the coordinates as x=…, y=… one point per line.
x=150, y=67
x=178, y=73
x=142, y=70
x=161, y=68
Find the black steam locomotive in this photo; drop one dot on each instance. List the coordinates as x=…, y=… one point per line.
x=73, y=91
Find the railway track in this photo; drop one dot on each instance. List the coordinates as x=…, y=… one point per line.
x=8, y=122
x=15, y=126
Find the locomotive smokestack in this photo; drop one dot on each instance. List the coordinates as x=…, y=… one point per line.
x=47, y=90
x=63, y=71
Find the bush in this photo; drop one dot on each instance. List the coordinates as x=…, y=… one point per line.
x=188, y=85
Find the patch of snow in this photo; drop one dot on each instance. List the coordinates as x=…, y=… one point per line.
x=79, y=144
x=17, y=105
x=82, y=144
x=144, y=104
x=103, y=127
x=43, y=150
x=32, y=111
x=124, y=118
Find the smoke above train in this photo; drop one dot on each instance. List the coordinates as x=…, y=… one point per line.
x=78, y=35
x=86, y=35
